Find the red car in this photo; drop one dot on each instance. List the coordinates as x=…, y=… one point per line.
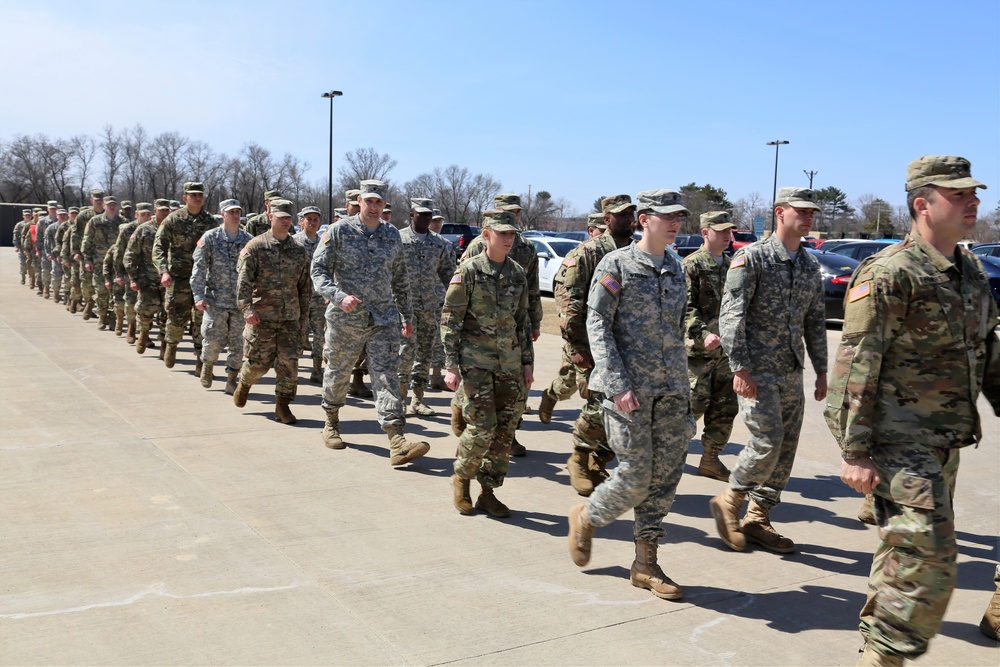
x=742, y=237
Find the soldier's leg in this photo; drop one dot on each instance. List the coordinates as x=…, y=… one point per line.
x=288, y=341
x=76, y=290
x=914, y=569
x=147, y=306
x=259, y=352
x=480, y=417
x=759, y=458
x=234, y=324
x=508, y=400
x=425, y=329
x=46, y=266
x=407, y=352
x=131, y=296
x=383, y=368
x=196, y=318
x=215, y=334
x=86, y=283
x=179, y=301
x=57, y=278
x=791, y=402
x=722, y=408
x=102, y=296
x=344, y=340
x=23, y=266
x=317, y=327
x=671, y=428
x=565, y=383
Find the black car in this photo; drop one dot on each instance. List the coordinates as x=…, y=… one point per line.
x=685, y=244
x=992, y=267
x=859, y=250
x=460, y=235
x=836, y=271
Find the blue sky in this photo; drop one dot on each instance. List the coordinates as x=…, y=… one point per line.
x=577, y=98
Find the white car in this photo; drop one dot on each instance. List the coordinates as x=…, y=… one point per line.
x=551, y=251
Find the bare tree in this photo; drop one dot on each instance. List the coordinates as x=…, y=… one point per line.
x=111, y=146
x=164, y=166
x=83, y=150
x=133, y=149
x=365, y=164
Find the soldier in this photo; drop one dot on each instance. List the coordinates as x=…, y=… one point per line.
x=144, y=278
x=436, y=381
x=351, y=202
x=359, y=268
x=70, y=266
x=173, y=255
x=213, y=286
x=635, y=323
x=260, y=223
x=310, y=219
x=59, y=293
x=126, y=211
x=44, y=257
x=98, y=237
x=357, y=387
x=712, y=394
x=22, y=255
x=273, y=292
x=596, y=225
x=51, y=253
x=488, y=351
x=918, y=346
x=387, y=213
x=125, y=296
x=773, y=299
x=429, y=267
x=83, y=282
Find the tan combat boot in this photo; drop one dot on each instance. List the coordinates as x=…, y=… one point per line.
x=711, y=466
x=546, y=406
x=331, y=430
x=581, y=534
x=579, y=478
x=990, y=625
x=517, y=449
x=206, y=376
x=756, y=527
x=198, y=363
x=281, y=411
x=73, y=306
x=489, y=503
x=436, y=381
x=32, y=285
x=403, y=451
x=726, y=508
x=241, y=393
x=317, y=372
x=417, y=406
x=460, y=495
x=457, y=420
x=358, y=387
x=130, y=334
x=45, y=292
x=869, y=658
x=102, y=321
x=88, y=309
x=596, y=470
x=866, y=513
x=646, y=573
x=232, y=377
x=142, y=342
x=170, y=355
x=119, y=323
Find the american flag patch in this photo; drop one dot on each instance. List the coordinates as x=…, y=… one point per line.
x=569, y=261
x=610, y=283
x=456, y=279
x=325, y=238
x=738, y=262
x=859, y=291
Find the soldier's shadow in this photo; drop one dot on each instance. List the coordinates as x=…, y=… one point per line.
x=808, y=608
x=822, y=487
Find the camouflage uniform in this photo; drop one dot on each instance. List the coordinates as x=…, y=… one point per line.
x=98, y=237
x=213, y=279
x=635, y=324
x=28, y=245
x=43, y=261
x=125, y=297
x=83, y=283
x=52, y=255
x=317, y=304
x=61, y=272
x=770, y=304
x=437, y=348
x=22, y=256
x=273, y=282
x=918, y=346
x=139, y=266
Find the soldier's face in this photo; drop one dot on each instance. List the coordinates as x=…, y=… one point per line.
x=353, y=208
x=63, y=217
x=662, y=227
x=498, y=241
x=952, y=211
x=144, y=216
x=27, y=217
x=112, y=209
x=232, y=216
x=799, y=220
x=371, y=209
x=194, y=200
x=435, y=225
x=717, y=241
x=98, y=204
x=72, y=216
x=387, y=216
x=161, y=214
x=421, y=222
x=310, y=223
x=594, y=232
x=52, y=212
x=281, y=223
x=620, y=224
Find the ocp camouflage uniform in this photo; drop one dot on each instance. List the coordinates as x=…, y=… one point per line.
x=140, y=268
x=257, y=224
x=635, y=325
x=83, y=284
x=709, y=375
x=566, y=382
x=21, y=255
x=770, y=304
x=98, y=236
x=43, y=263
x=918, y=346
x=484, y=328
x=437, y=348
x=125, y=297
x=317, y=304
x=52, y=253
x=213, y=279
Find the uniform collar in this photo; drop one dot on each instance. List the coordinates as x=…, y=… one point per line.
x=939, y=261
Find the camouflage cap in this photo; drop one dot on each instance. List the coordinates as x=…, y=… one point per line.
x=422, y=205
x=507, y=202
x=342, y=212
x=144, y=206
x=62, y=211
x=797, y=198
x=596, y=220
x=74, y=209
x=437, y=215
x=126, y=204
x=718, y=221
x=352, y=195
x=616, y=204
x=161, y=203
x=174, y=205
x=947, y=171
x=194, y=188
x=272, y=194
x=111, y=200
x=660, y=201
x=373, y=189
x=388, y=208
x=52, y=203
x=37, y=210
x=97, y=193
x=310, y=209
x=500, y=221
x=282, y=208
x=25, y=211
x=230, y=204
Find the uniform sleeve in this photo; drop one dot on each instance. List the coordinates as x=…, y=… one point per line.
x=695, y=326
x=815, y=329
x=522, y=322
x=602, y=306
x=120, y=245
x=456, y=303
x=573, y=295
x=246, y=274
x=534, y=295
x=324, y=268
x=108, y=265
x=202, y=265
x=741, y=286
x=161, y=246
x=304, y=287
x=446, y=266
x=87, y=247
x=130, y=260
x=401, y=287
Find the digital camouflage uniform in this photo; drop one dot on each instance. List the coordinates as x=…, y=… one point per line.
x=317, y=304
x=61, y=272
x=28, y=246
x=44, y=262
x=141, y=270
x=635, y=324
x=770, y=304
x=213, y=279
x=125, y=297
x=22, y=256
x=274, y=283
x=98, y=236
x=52, y=253
x=918, y=346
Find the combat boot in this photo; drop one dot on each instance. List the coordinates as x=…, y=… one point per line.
x=88, y=309
x=198, y=363
x=869, y=658
x=206, y=375
x=581, y=534
x=317, y=374
x=142, y=342
x=579, y=477
x=646, y=573
x=866, y=513
x=119, y=323
x=22, y=278
x=163, y=349
x=331, y=430
x=56, y=297
x=546, y=406
x=241, y=393
x=32, y=285
x=460, y=495
x=711, y=466
x=489, y=503
x=990, y=625
x=281, y=411
x=130, y=333
x=358, y=387
x=726, y=508
x=170, y=354
x=231, y=379
x=436, y=382
x=403, y=451
x=596, y=470
x=457, y=420
x=102, y=321
x=417, y=406
x=756, y=527
x=74, y=305
x=45, y=292
x=517, y=449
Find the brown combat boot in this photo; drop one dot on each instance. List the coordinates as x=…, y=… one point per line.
x=756, y=527
x=281, y=411
x=646, y=573
x=198, y=363
x=119, y=323
x=317, y=373
x=990, y=625
x=417, y=406
x=358, y=387
x=869, y=658
x=460, y=495
x=579, y=478
x=142, y=342
x=726, y=508
x=74, y=305
x=22, y=278
x=232, y=377
x=32, y=285
x=457, y=420
x=130, y=334
x=866, y=513
x=45, y=292
x=403, y=451
x=206, y=376
x=102, y=321
x=489, y=503
x=581, y=534
x=546, y=406
x=331, y=430
x=517, y=449
x=170, y=354
x=711, y=466
x=241, y=393
x=88, y=309
x=436, y=381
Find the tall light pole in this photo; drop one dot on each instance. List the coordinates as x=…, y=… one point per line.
x=774, y=195
x=331, y=94
x=810, y=174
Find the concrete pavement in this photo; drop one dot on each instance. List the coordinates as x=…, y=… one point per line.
x=149, y=521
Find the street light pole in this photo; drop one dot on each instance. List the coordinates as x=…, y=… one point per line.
x=810, y=174
x=331, y=94
x=774, y=194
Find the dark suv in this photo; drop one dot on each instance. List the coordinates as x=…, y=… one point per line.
x=460, y=235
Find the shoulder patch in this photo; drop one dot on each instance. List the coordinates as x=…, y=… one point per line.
x=201, y=243
x=859, y=292
x=456, y=279
x=610, y=283
x=570, y=261
x=244, y=251
x=325, y=238
x=738, y=262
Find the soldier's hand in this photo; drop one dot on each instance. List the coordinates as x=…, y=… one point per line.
x=859, y=474
x=407, y=330
x=107, y=284
x=120, y=281
x=252, y=318
x=166, y=280
x=201, y=305
x=582, y=359
x=77, y=257
x=820, y=387
x=626, y=401
x=88, y=267
x=712, y=341
x=134, y=285
x=535, y=333
x=529, y=376
x=349, y=303
x=452, y=379
x=744, y=385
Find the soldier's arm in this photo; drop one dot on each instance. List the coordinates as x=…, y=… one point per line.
x=86, y=248
x=246, y=270
x=131, y=259
x=602, y=306
x=401, y=287
x=522, y=321
x=324, y=268
x=814, y=330
x=576, y=289
x=741, y=285
x=120, y=246
x=108, y=265
x=534, y=295
x=304, y=288
x=161, y=246
x=456, y=303
x=202, y=265
x=446, y=265
x=696, y=327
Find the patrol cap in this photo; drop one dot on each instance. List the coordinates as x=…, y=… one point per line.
x=97, y=193
x=437, y=215
x=596, y=220
x=62, y=211
x=388, y=208
x=342, y=212
x=797, y=198
x=947, y=171
x=281, y=208
x=194, y=187
x=174, y=205
x=507, y=202
x=660, y=201
x=373, y=189
x=161, y=203
x=25, y=211
x=616, y=204
x=422, y=205
x=144, y=206
x=126, y=204
x=111, y=200
x=52, y=203
x=718, y=221
x=500, y=221
x=229, y=205
x=272, y=194
x=37, y=210
x=310, y=209
x=74, y=209
x=352, y=195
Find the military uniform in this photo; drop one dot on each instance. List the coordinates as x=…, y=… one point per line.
x=125, y=297
x=52, y=255
x=98, y=237
x=918, y=346
x=317, y=307
x=60, y=270
x=141, y=270
x=83, y=280
x=44, y=261
x=22, y=256
x=260, y=223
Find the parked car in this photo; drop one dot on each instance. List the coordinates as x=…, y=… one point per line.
x=859, y=250
x=742, y=237
x=836, y=271
x=830, y=244
x=580, y=235
x=460, y=235
x=685, y=244
x=987, y=249
x=551, y=251
x=537, y=233
x=991, y=265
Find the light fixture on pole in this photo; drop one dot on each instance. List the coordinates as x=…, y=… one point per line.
x=331, y=94
x=774, y=195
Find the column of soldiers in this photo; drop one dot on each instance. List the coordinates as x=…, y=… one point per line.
x=651, y=343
